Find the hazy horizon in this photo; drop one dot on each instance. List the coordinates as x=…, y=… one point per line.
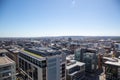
x=68, y=36
x=41, y=18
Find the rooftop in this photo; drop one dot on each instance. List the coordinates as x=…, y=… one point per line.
x=40, y=52
x=3, y=51
x=32, y=54
x=4, y=60
x=43, y=51
x=111, y=59
x=14, y=50
x=113, y=63
x=74, y=63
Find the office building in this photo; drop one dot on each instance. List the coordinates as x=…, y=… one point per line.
x=7, y=67
x=89, y=57
x=42, y=64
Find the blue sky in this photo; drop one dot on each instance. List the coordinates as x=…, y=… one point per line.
x=36, y=18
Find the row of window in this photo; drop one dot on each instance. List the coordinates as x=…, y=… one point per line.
x=79, y=76
x=5, y=68
x=41, y=64
x=63, y=70
x=76, y=68
x=29, y=69
x=6, y=74
x=44, y=73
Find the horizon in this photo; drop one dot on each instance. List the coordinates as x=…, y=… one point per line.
x=59, y=18
x=62, y=36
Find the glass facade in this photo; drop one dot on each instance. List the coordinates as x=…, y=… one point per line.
x=52, y=73
x=89, y=57
x=90, y=60
x=52, y=69
x=77, y=55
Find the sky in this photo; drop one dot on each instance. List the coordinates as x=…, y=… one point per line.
x=38, y=18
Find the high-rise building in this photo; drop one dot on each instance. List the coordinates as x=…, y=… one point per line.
x=89, y=57
x=42, y=64
x=7, y=68
x=79, y=54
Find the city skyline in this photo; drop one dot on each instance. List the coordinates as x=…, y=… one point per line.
x=59, y=18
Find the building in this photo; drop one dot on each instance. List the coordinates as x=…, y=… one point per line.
x=89, y=57
x=75, y=70
x=7, y=68
x=117, y=49
x=112, y=69
x=117, y=46
x=13, y=54
x=42, y=64
x=79, y=54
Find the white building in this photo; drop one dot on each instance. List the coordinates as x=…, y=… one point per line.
x=75, y=70
x=42, y=64
x=7, y=68
x=112, y=68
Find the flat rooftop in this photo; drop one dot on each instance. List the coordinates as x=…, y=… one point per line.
x=4, y=60
x=40, y=52
x=32, y=54
x=43, y=52
x=110, y=59
x=3, y=51
x=113, y=63
x=76, y=63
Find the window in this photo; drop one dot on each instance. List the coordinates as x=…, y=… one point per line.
x=44, y=73
x=74, y=69
x=7, y=74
